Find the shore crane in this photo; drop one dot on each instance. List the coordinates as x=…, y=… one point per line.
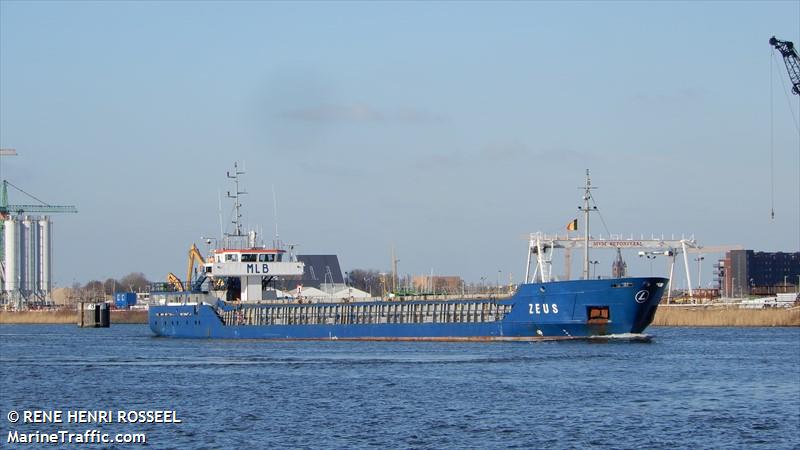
x=7, y=210
x=12, y=211
x=791, y=60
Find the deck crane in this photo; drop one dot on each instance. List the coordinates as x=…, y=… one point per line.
x=174, y=282
x=791, y=60
x=195, y=257
x=192, y=282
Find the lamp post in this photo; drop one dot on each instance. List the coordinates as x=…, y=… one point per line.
x=650, y=258
x=699, y=259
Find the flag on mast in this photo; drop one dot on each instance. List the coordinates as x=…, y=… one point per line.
x=573, y=226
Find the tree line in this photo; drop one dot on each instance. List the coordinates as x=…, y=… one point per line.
x=132, y=282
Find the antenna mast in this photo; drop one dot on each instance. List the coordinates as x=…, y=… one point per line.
x=237, y=215
x=587, y=194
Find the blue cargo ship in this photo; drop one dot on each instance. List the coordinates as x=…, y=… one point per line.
x=232, y=298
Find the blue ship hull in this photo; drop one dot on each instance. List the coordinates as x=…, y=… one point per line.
x=537, y=311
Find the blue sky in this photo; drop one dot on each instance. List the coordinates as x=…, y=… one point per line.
x=449, y=130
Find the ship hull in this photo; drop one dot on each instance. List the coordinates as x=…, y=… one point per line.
x=537, y=311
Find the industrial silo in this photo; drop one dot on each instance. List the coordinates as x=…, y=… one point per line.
x=11, y=256
x=45, y=283
x=29, y=246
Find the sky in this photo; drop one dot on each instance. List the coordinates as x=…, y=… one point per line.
x=445, y=130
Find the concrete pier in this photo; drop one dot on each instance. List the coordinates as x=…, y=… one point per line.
x=94, y=315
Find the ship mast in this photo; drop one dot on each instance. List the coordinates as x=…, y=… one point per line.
x=585, y=208
x=237, y=215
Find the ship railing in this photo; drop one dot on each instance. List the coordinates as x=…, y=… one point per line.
x=358, y=314
x=187, y=287
x=327, y=300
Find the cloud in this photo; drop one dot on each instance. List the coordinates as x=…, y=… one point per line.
x=561, y=154
x=358, y=112
x=438, y=161
x=489, y=154
x=331, y=170
x=513, y=152
x=503, y=152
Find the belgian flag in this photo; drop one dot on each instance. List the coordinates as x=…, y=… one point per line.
x=573, y=226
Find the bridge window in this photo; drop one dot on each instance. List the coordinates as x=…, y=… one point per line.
x=266, y=257
x=232, y=257
x=249, y=257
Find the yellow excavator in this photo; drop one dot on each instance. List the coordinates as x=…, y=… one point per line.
x=175, y=282
x=194, y=258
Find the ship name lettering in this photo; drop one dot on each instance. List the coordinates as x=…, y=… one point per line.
x=254, y=268
x=542, y=308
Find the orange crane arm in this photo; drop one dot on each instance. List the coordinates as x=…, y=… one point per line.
x=194, y=256
x=174, y=281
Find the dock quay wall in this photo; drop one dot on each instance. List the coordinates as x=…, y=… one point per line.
x=67, y=316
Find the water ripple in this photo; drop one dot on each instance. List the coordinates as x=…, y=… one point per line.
x=685, y=388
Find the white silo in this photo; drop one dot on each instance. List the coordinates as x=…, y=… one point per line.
x=11, y=255
x=29, y=240
x=45, y=283
x=22, y=268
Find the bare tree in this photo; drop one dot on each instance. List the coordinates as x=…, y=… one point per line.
x=110, y=286
x=366, y=280
x=134, y=282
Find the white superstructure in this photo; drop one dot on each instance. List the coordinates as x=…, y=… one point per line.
x=253, y=266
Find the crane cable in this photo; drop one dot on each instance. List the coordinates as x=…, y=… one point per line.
x=771, y=139
x=796, y=126
x=29, y=195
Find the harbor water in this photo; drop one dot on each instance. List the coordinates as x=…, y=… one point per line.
x=686, y=388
